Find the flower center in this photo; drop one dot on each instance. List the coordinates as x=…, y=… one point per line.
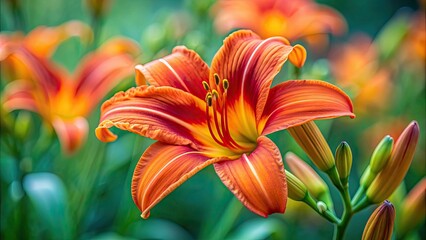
x=216, y=103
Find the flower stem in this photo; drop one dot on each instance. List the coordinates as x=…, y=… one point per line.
x=347, y=213
x=326, y=214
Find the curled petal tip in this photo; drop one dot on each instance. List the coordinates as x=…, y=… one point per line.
x=298, y=56
x=105, y=135
x=140, y=77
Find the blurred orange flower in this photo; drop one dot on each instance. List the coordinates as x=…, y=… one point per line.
x=355, y=66
x=413, y=49
x=61, y=98
x=295, y=20
x=218, y=115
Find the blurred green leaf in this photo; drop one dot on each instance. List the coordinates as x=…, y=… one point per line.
x=158, y=229
x=391, y=35
x=259, y=228
x=111, y=236
x=48, y=196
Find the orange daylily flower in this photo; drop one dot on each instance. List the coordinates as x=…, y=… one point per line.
x=62, y=99
x=42, y=42
x=219, y=115
x=356, y=67
x=295, y=20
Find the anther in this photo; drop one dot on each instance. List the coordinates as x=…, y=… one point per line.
x=209, y=100
x=215, y=94
x=206, y=86
x=216, y=78
x=225, y=84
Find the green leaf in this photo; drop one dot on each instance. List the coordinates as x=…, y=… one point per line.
x=49, y=198
x=269, y=228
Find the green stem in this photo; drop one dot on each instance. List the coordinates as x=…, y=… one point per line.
x=326, y=214
x=227, y=220
x=347, y=213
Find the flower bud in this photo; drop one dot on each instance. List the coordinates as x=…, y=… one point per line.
x=22, y=124
x=311, y=140
x=392, y=174
x=296, y=189
x=314, y=183
x=344, y=162
x=413, y=208
x=381, y=155
x=98, y=7
x=380, y=223
x=366, y=178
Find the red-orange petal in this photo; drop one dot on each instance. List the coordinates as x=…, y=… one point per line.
x=72, y=133
x=295, y=102
x=101, y=71
x=19, y=95
x=43, y=40
x=257, y=180
x=183, y=69
x=161, y=169
x=162, y=113
x=249, y=64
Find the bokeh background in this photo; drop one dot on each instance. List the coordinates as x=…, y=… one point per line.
x=47, y=194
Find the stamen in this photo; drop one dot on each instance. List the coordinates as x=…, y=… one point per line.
x=225, y=83
x=208, y=119
x=215, y=94
x=217, y=101
x=209, y=99
x=206, y=86
x=216, y=79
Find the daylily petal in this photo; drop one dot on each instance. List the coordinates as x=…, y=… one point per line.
x=19, y=95
x=298, y=56
x=249, y=64
x=295, y=102
x=43, y=41
x=101, y=71
x=71, y=133
x=183, y=69
x=161, y=113
x=161, y=169
x=45, y=74
x=257, y=180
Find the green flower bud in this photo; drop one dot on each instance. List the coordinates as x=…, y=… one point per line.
x=381, y=154
x=296, y=189
x=343, y=158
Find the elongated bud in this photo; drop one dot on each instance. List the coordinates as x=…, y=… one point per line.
x=413, y=209
x=381, y=154
x=296, y=189
x=392, y=174
x=367, y=178
x=311, y=140
x=344, y=162
x=314, y=183
x=380, y=223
